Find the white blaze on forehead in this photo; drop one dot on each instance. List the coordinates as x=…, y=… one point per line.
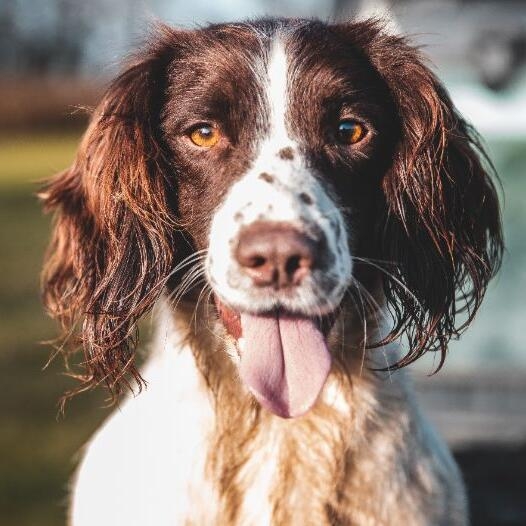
x=277, y=91
x=277, y=188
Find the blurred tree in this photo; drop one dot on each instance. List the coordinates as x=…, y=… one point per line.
x=48, y=39
x=7, y=53
x=72, y=31
x=499, y=56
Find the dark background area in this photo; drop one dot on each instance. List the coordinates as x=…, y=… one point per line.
x=56, y=56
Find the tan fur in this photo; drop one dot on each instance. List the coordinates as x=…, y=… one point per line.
x=136, y=208
x=376, y=462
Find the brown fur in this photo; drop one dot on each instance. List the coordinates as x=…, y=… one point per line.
x=323, y=475
x=420, y=201
x=310, y=449
x=425, y=233
x=124, y=213
x=442, y=219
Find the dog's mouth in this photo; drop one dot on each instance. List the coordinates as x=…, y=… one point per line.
x=284, y=357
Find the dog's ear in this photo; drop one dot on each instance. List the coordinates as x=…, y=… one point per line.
x=442, y=229
x=113, y=236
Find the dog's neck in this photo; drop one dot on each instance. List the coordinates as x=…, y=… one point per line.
x=304, y=456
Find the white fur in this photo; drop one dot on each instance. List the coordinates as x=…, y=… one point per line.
x=277, y=96
x=145, y=465
x=256, y=199
x=259, y=475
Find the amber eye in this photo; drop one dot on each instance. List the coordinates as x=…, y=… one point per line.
x=351, y=132
x=205, y=135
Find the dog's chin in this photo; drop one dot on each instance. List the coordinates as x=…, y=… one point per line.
x=284, y=358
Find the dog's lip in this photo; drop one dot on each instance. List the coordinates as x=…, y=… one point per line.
x=231, y=319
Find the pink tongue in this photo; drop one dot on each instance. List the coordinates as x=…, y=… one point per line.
x=284, y=362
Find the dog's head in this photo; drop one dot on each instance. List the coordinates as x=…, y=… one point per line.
x=284, y=157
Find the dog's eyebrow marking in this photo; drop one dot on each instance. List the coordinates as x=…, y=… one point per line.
x=266, y=177
x=238, y=216
x=287, y=153
x=306, y=198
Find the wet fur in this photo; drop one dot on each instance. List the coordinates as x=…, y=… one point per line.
x=136, y=202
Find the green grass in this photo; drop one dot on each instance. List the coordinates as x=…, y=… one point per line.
x=37, y=450
x=27, y=159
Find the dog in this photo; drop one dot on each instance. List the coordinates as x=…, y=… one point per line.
x=305, y=213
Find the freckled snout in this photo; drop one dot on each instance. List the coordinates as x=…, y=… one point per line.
x=276, y=254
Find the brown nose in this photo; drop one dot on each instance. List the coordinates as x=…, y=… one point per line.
x=275, y=254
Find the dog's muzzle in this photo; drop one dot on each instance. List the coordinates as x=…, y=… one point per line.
x=279, y=264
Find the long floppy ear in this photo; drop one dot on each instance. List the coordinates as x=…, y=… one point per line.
x=442, y=228
x=113, y=239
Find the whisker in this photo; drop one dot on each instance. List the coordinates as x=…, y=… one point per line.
x=364, y=325
x=204, y=288
x=191, y=278
x=394, y=278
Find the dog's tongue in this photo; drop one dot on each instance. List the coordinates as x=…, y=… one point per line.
x=284, y=362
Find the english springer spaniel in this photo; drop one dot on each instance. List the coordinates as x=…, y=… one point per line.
x=296, y=198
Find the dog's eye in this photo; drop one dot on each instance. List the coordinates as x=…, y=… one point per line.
x=205, y=135
x=351, y=132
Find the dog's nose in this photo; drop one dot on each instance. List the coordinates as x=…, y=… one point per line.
x=275, y=254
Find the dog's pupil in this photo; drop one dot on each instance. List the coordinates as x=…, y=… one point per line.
x=350, y=131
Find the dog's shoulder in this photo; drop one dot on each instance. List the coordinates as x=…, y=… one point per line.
x=141, y=466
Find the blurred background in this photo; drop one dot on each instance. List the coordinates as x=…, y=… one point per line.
x=56, y=56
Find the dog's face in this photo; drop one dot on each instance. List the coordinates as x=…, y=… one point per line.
x=285, y=152
x=272, y=122
x=282, y=146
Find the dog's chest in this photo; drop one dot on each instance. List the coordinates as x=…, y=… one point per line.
x=151, y=462
x=283, y=474
x=287, y=472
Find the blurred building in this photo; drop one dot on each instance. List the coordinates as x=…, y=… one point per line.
x=484, y=38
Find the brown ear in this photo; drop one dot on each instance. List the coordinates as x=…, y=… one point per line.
x=442, y=228
x=112, y=244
